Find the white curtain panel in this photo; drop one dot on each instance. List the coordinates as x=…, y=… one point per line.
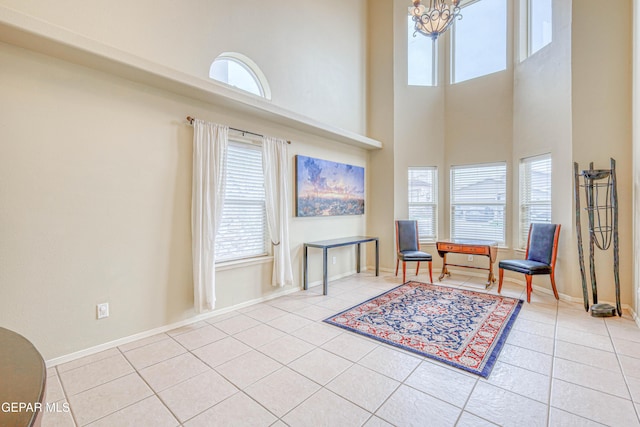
x=275, y=164
x=209, y=171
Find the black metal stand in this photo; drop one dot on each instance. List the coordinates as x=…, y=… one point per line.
x=602, y=209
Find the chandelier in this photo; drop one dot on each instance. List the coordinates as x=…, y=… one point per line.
x=436, y=19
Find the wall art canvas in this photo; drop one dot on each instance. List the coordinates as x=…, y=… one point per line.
x=325, y=188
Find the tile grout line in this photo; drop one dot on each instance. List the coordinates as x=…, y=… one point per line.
x=553, y=364
x=66, y=397
x=372, y=414
x=242, y=390
x=156, y=394
x=615, y=353
x=137, y=372
x=624, y=376
x=144, y=398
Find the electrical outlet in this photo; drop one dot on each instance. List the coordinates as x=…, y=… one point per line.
x=470, y=258
x=103, y=310
x=333, y=260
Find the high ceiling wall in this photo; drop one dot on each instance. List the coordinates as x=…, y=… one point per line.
x=570, y=99
x=95, y=169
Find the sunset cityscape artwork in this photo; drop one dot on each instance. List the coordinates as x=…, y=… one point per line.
x=326, y=188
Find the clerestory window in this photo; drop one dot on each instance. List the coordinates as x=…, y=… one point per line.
x=421, y=58
x=479, y=40
x=539, y=25
x=237, y=70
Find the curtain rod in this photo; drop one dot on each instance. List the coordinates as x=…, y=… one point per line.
x=191, y=119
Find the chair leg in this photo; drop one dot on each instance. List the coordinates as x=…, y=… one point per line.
x=500, y=277
x=397, y=262
x=430, y=272
x=553, y=285
x=404, y=271
x=418, y=268
x=529, y=287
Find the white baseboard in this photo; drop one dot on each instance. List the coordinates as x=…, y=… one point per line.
x=197, y=318
x=634, y=316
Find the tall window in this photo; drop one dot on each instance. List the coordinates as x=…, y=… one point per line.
x=479, y=44
x=423, y=201
x=478, y=201
x=421, y=58
x=241, y=72
x=535, y=193
x=243, y=231
x=539, y=24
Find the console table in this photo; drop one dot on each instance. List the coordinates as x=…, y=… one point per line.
x=469, y=247
x=335, y=243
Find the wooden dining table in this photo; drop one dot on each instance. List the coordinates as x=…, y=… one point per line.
x=23, y=378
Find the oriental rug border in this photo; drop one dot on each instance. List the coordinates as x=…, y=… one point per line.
x=458, y=327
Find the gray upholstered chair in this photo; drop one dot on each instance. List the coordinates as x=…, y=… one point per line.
x=540, y=258
x=408, y=248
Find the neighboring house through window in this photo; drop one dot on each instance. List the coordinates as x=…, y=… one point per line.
x=423, y=201
x=478, y=201
x=535, y=194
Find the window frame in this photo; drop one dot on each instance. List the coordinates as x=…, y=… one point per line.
x=434, y=203
x=434, y=55
x=243, y=144
x=482, y=204
x=248, y=65
x=524, y=203
x=452, y=44
x=530, y=27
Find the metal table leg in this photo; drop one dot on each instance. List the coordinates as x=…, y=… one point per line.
x=325, y=278
x=377, y=259
x=305, y=279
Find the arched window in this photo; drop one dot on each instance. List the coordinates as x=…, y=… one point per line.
x=241, y=72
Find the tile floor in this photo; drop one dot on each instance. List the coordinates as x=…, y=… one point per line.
x=277, y=364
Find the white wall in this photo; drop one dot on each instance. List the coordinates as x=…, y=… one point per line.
x=636, y=154
x=556, y=101
x=601, y=107
x=380, y=121
x=312, y=55
x=445, y=125
x=95, y=171
x=419, y=127
x=542, y=123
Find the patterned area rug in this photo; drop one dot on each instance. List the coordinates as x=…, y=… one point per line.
x=461, y=328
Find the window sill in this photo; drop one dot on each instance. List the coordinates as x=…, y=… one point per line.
x=247, y=262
